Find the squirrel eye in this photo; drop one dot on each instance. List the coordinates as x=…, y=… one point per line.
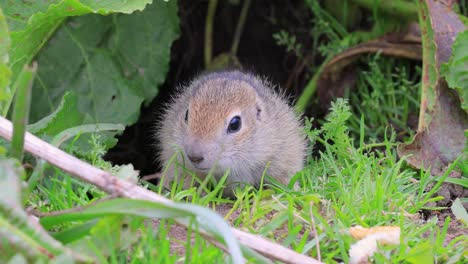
x=234, y=124
x=186, y=116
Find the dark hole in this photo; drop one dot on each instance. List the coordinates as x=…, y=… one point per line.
x=257, y=52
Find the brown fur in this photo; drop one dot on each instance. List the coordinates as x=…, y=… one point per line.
x=208, y=97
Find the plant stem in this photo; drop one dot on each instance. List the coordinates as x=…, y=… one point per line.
x=23, y=87
x=395, y=7
x=310, y=89
x=209, y=31
x=240, y=27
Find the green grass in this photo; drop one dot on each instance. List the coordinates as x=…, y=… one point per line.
x=343, y=185
x=387, y=96
x=354, y=177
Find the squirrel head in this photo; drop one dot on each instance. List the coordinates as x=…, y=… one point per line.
x=221, y=120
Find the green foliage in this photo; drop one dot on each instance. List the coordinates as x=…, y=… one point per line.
x=65, y=116
x=94, y=155
x=5, y=72
x=345, y=186
x=430, y=72
x=108, y=74
x=107, y=66
x=325, y=25
x=104, y=230
x=387, y=96
x=104, y=67
x=283, y=38
x=455, y=70
x=462, y=181
x=347, y=13
x=19, y=232
x=32, y=24
x=152, y=237
x=338, y=39
x=205, y=218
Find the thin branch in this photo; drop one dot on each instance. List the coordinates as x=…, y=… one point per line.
x=114, y=186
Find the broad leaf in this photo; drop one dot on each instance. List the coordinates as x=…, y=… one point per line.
x=105, y=66
x=456, y=70
x=32, y=23
x=65, y=116
x=440, y=138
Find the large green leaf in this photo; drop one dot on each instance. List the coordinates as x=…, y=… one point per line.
x=32, y=23
x=456, y=70
x=19, y=12
x=112, y=64
x=141, y=46
x=65, y=116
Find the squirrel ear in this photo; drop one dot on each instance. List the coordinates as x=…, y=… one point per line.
x=260, y=107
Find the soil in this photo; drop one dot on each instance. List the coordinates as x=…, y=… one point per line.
x=450, y=192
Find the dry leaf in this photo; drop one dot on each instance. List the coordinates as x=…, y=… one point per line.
x=365, y=248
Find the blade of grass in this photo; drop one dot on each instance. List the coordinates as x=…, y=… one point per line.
x=436, y=187
x=5, y=72
x=115, y=206
x=23, y=87
x=309, y=90
x=460, y=181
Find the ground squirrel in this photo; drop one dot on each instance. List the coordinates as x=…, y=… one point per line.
x=233, y=121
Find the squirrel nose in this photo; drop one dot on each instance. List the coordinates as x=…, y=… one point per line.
x=195, y=159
